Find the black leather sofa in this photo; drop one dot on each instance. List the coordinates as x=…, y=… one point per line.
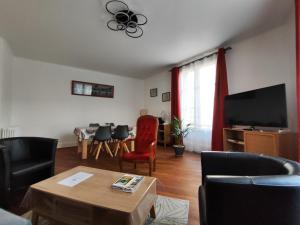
x=24, y=161
x=248, y=189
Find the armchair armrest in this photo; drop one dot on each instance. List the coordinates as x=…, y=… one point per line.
x=152, y=145
x=240, y=164
x=251, y=200
x=42, y=148
x=224, y=163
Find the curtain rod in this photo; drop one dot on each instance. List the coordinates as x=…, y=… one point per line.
x=206, y=56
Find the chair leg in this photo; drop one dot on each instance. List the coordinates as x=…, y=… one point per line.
x=121, y=147
x=125, y=147
x=108, y=149
x=150, y=168
x=98, y=150
x=95, y=149
x=154, y=165
x=91, y=147
x=95, y=152
x=117, y=148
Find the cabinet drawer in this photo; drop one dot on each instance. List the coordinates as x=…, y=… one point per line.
x=261, y=143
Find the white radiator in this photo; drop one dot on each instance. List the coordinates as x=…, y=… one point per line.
x=8, y=132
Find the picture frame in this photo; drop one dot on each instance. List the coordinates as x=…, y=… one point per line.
x=153, y=92
x=165, y=97
x=91, y=89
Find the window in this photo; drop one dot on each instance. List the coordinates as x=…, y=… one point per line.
x=197, y=87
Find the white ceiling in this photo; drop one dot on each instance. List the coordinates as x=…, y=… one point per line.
x=74, y=32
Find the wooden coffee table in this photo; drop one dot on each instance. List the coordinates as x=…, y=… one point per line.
x=92, y=201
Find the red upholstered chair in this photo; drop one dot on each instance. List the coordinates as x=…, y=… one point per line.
x=144, y=143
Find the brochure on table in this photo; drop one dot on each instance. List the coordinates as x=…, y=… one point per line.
x=128, y=183
x=75, y=179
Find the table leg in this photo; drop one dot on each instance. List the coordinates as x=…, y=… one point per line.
x=84, y=147
x=34, y=218
x=79, y=146
x=152, y=212
x=132, y=146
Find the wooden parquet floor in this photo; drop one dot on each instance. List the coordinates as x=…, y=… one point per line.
x=178, y=177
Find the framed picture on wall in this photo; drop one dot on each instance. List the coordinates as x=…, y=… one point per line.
x=153, y=92
x=92, y=89
x=166, y=96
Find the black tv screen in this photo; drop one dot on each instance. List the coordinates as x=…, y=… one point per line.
x=264, y=107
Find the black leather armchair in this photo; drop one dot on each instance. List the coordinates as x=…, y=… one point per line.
x=248, y=189
x=24, y=161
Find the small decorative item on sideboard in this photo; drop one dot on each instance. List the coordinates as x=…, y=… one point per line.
x=179, y=131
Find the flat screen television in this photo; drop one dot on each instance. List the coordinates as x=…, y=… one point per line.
x=265, y=107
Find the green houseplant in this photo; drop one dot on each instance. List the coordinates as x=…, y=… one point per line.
x=179, y=131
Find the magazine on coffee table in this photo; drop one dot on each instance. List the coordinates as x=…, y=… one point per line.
x=128, y=183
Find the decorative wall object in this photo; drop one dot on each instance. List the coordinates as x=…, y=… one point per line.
x=92, y=89
x=153, y=92
x=166, y=96
x=124, y=19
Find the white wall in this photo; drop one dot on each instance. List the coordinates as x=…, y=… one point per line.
x=36, y=95
x=264, y=60
x=6, y=58
x=162, y=82
x=260, y=61
x=42, y=104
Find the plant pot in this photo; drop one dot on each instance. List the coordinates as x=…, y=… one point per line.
x=179, y=150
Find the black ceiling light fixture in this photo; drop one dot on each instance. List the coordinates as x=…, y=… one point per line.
x=124, y=19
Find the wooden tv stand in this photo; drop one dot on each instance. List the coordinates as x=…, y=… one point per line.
x=271, y=143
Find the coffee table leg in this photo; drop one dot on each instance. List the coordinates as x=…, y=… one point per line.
x=34, y=218
x=152, y=212
x=79, y=146
x=84, y=144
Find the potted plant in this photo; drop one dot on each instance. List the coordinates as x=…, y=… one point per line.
x=179, y=131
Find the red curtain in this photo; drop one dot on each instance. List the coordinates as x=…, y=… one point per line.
x=297, y=15
x=175, y=98
x=221, y=90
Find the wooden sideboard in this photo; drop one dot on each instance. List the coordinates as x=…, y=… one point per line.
x=164, y=134
x=271, y=143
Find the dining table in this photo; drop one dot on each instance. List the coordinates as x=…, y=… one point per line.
x=85, y=135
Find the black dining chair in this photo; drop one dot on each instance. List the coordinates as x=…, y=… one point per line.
x=121, y=133
x=110, y=124
x=102, y=136
x=94, y=125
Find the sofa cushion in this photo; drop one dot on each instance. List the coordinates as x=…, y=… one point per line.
x=28, y=166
